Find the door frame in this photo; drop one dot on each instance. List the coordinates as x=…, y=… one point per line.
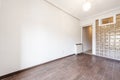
x=93, y=36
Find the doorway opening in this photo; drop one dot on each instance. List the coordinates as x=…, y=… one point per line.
x=87, y=39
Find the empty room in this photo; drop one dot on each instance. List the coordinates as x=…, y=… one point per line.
x=59, y=39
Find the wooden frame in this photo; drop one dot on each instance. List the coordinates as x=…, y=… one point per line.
x=111, y=20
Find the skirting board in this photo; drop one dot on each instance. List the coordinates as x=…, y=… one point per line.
x=102, y=57
x=10, y=74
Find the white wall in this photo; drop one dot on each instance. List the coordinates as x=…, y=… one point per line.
x=33, y=32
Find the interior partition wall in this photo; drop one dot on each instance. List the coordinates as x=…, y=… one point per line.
x=108, y=39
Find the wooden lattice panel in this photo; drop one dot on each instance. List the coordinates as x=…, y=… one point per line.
x=108, y=39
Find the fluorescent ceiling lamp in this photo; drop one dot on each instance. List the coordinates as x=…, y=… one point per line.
x=86, y=6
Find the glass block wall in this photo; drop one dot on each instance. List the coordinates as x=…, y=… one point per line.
x=108, y=39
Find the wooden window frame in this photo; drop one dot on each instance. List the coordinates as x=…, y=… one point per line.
x=100, y=20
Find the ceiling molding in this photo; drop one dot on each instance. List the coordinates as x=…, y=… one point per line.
x=111, y=11
x=91, y=20
x=61, y=9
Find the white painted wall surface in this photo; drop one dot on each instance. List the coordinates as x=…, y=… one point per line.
x=33, y=32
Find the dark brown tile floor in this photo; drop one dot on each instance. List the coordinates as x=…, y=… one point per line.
x=81, y=67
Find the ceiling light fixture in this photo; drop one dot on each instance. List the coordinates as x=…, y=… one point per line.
x=86, y=6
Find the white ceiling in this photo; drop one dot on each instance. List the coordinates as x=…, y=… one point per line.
x=74, y=7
